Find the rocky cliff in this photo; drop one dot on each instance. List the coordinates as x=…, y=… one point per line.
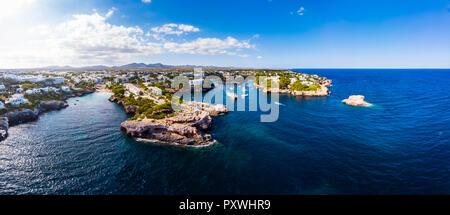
x=187, y=127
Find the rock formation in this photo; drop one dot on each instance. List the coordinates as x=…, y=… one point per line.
x=46, y=106
x=20, y=116
x=4, y=126
x=356, y=100
x=187, y=127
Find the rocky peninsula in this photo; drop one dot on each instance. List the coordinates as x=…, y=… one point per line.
x=356, y=100
x=322, y=90
x=187, y=127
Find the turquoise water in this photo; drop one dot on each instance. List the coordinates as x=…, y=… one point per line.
x=318, y=145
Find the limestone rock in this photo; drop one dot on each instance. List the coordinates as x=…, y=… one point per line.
x=4, y=126
x=21, y=116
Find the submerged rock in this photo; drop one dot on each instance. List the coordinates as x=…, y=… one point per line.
x=356, y=100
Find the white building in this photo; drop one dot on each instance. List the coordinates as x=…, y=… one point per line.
x=53, y=89
x=2, y=87
x=17, y=99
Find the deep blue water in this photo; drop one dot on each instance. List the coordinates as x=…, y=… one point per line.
x=318, y=146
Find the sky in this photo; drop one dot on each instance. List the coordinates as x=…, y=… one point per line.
x=238, y=33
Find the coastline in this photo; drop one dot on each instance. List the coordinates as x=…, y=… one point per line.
x=157, y=142
x=20, y=116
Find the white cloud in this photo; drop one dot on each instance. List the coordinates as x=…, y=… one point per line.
x=300, y=11
x=208, y=46
x=147, y=1
x=259, y=57
x=177, y=29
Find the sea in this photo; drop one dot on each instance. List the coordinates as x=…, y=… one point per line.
x=318, y=145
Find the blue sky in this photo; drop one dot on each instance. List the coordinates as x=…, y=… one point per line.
x=263, y=33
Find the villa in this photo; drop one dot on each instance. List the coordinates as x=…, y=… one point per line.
x=293, y=80
x=45, y=89
x=17, y=99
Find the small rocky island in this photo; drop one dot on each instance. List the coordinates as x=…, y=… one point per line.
x=356, y=100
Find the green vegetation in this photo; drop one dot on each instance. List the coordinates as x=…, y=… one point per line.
x=298, y=86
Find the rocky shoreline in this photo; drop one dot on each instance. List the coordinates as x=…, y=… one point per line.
x=185, y=128
x=323, y=91
x=356, y=100
x=16, y=117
